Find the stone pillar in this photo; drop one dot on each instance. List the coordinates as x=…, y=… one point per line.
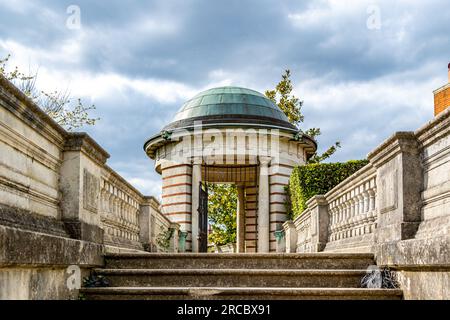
x=399, y=185
x=319, y=222
x=182, y=241
x=81, y=171
x=280, y=237
x=263, y=206
x=196, y=179
x=240, y=216
x=174, y=240
x=290, y=234
x=145, y=221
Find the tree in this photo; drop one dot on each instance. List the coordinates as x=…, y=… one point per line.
x=56, y=104
x=222, y=208
x=292, y=107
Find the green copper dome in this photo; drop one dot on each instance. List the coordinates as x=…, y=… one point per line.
x=235, y=106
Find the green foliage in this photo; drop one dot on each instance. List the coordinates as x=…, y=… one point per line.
x=292, y=107
x=286, y=101
x=222, y=208
x=163, y=238
x=56, y=104
x=95, y=280
x=315, y=158
x=317, y=178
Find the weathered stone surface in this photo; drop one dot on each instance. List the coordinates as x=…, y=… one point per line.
x=300, y=278
x=33, y=265
x=400, y=180
x=84, y=231
x=241, y=294
x=423, y=254
x=423, y=266
x=237, y=276
x=239, y=261
x=26, y=220
x=425, y=284
x=35, y=284
x=28, y=248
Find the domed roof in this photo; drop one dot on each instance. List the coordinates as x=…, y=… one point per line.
x=234, y=106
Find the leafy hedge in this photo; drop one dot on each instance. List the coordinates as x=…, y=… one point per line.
x=318, y=178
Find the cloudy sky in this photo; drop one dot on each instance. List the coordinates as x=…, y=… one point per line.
x=363, y=68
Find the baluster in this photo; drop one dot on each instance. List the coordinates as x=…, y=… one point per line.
x=366, y=201
x=371, y=199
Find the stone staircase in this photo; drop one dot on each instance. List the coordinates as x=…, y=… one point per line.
x=236, y=276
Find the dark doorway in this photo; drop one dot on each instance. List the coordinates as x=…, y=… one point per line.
x=203, y=218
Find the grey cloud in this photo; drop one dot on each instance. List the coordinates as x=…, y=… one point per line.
x=251, y=42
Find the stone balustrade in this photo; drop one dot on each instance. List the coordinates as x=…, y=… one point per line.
x=396, y=207
x=120, y=209
x=60, y=181
x=344, y=219
x=303, y=227
x=352, y=207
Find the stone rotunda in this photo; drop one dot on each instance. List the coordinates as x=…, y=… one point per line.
x=228, y=135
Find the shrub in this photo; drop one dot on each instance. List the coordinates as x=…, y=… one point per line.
x=309, y=180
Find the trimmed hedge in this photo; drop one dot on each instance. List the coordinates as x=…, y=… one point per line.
x=317, y=178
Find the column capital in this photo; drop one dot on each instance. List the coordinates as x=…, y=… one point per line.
x=196, y=160
x=264, y=161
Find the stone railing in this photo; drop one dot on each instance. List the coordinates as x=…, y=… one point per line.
x=344, y=219
x=396, y=207
x=303, y=227
x=120, y=209
x=352, y=212
x=57, y=182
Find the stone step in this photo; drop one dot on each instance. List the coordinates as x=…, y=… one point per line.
x=221, y=293
x=239, y=261
x=346, y=278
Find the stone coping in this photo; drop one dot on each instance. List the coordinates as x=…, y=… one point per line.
x=415, y=254
x=123, y=183
x=81, y=141
x=365, y=173
x=35, y=115
x=29, y=248
x=389, y=148
x=434, y=129
x=445, y=86
x=306, y=214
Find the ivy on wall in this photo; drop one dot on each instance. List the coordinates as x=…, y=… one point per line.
x=163, y=238
x=313, y=179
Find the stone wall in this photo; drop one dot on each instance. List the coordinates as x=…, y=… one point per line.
x=60, y=204
x=396, y=207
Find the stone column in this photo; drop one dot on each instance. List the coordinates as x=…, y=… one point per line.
x=196, y=178
x=240, y=216
x=263, y=206
x=80, y=179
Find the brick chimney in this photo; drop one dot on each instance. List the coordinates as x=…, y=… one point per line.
x=442, y=96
